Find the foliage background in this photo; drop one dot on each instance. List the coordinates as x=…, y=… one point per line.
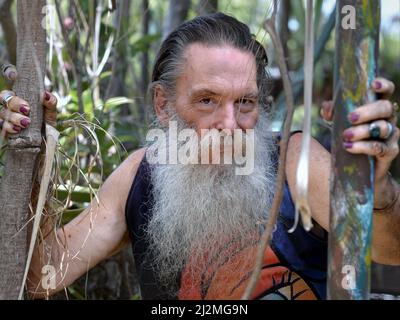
x=99, y=65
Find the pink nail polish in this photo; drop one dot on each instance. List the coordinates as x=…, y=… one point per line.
x=47, y=96
x=377, y=85
x=347, y=145
x=16, y=128
x=354, y=117
x=24, y=109
x=25, y=122
x=12, y=76
x=348, y=135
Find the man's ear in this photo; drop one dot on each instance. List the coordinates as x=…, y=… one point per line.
x=161, y=104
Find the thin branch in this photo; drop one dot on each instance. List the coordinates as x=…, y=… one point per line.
x=9, y=30
x=76, y=70
x=269, y=26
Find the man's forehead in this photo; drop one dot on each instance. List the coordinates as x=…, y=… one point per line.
x=220, y=56
x=220, y=68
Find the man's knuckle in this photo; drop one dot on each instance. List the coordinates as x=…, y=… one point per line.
x=395, y=149
x=386, y=106
x=378, y=148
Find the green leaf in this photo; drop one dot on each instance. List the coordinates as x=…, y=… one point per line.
x=71, y=214
x=105, y=74
x=79, y=194
x=116, y=101
x=87, y=104
x=75, y=293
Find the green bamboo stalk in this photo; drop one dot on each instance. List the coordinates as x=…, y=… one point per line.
x=351, y=203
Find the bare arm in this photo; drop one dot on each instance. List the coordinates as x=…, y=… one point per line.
x=96, y=234
x=318, y=191
x=386, y=225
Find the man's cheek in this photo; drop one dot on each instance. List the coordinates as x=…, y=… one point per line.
x=248, y=121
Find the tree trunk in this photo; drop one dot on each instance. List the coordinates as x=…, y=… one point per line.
x=22, y=150
x=352, y=190
x=177, y=13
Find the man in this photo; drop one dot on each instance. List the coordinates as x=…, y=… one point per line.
x=194, y=229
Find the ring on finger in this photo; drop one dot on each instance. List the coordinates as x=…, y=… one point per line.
x=4, y=67
x=374, y=131
x=389, y=130
x=5, y=99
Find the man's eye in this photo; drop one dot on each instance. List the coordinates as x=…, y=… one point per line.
x=246, y=104
x=206, y=101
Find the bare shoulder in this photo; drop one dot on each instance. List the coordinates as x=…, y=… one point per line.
x=119, y=182
x=131, y=163
x=318, y=154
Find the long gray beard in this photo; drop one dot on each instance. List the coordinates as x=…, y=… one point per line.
x=199, y=209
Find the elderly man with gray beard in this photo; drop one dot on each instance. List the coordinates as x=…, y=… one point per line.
x=194, y=228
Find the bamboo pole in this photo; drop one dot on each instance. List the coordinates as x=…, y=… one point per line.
x=351, y=203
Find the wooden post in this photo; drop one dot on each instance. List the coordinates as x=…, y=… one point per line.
x=22, y=150
x=352, y=177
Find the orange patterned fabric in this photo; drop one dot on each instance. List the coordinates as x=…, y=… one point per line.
x=218, y=280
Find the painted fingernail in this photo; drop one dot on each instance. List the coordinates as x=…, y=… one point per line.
x=16, y=128
x=25, y=122
x=24, y=109
x=377, y=84
x=354, y=117
x=348, y=135
x=47, y=96
x=347, y=145
x=12, y=76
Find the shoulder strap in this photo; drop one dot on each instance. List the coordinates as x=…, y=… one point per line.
x=138, y=214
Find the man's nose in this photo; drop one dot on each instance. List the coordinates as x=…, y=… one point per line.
x=225, y=117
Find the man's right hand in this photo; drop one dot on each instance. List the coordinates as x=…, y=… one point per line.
x=97, y=233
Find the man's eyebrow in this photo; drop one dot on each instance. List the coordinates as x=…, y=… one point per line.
x=250, y=95
x=204, y=91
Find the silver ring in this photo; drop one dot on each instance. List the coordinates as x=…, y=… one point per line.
x=7, y=96
x=390, y=130
x=4, y=67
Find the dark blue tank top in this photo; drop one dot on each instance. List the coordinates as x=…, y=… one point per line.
x=301, y=255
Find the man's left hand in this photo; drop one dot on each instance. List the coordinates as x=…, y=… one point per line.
x=382, y=138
